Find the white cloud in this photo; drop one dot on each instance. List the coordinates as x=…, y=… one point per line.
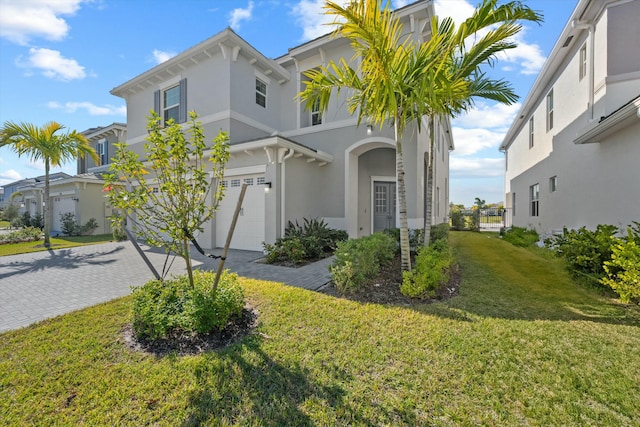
x=22, y=20
x=37, y=165
x=92, y=109
x=239, y=14
x=52, y=64
x=471, y=141
x=10, y=175
x=476, y=167
x=310, y=17
x=397, y=4
x=528, y=56
x=160, y=56
x=490, y=116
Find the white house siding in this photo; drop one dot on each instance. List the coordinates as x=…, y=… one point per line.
x=596, y=182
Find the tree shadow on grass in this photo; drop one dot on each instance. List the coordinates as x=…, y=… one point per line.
x=244, y=385
x=61, y=259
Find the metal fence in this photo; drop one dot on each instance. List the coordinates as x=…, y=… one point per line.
x=490, y=219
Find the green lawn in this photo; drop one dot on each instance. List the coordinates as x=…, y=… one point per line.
x=520, y=345
x=56, y=243
x=4, y=224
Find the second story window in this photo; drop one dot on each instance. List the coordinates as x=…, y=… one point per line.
x=550, y=110
x=261, y=93
x=171, y=102
x=583, y=61
x=531, y=132
x=101, y=150
x=316, y=114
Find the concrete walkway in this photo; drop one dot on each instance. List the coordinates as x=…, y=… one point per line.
x=41, y=285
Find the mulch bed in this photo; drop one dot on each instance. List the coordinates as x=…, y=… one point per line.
x=385, y=288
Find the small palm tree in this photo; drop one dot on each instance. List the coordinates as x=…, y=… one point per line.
x=398, y=80
x=47, y=144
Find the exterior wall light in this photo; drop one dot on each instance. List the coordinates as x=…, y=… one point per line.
x=267, y=186
x=369, y=129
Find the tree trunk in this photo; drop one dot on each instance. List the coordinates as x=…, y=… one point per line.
x=405, y=249
x=429, y=184
x=187, y=260
x=47, y=218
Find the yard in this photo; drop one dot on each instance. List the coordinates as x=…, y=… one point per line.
x=56, y=243
x=520, y=345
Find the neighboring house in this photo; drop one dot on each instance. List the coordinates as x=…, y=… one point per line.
x=102, y=139
x=572, y=154
x=13, y=192
x=80, y=195
x=312, y=164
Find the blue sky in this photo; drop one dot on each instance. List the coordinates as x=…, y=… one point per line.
x=60, y=58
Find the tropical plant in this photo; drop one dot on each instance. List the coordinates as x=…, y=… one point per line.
x=170, y=207
x=46, y=144
x=398, y=80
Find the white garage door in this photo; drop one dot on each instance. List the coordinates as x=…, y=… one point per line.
x=61, y=205
x=249, y=231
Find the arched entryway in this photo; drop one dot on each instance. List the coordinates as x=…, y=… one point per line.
x=370, y=179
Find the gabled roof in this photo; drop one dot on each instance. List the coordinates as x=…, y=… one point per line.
x=226, y=42
x=101, y=132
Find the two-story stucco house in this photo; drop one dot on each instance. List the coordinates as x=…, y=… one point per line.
x=297, y=163
x=103, y=140
x=572, y=154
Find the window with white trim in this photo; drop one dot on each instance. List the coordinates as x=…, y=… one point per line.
x=531, y=132
x=260, y=180
x=583, y=62
x=171, y=104
x=235, y=183
x=550, y=110
x=534, y=193
x=101, y=150
x=316, y=114
x=248, y=181
x=553, y=184
x=261, y=93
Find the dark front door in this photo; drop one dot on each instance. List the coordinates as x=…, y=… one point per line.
x=384, y=205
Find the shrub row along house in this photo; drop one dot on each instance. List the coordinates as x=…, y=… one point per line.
x=298, y=162
x=572, y=154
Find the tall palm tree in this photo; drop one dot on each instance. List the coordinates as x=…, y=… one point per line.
x=396, y=79
x=47, y=144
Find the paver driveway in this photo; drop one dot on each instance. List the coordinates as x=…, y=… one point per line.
x=41, y=285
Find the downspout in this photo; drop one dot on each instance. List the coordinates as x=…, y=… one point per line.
x=592, y=30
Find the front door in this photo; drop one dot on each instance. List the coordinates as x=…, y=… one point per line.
x=384, y=205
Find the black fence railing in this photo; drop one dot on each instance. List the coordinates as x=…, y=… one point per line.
x=489, y=219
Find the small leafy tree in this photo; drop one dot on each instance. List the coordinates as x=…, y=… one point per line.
x=11, y=213
x=168, y=197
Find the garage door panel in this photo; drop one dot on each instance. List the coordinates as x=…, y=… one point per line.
x=249, y=231
x=61, y=205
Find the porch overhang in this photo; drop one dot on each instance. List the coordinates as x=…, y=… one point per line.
x=278, y=148
x=625, y=116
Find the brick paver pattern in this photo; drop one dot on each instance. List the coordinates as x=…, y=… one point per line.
x=41, y=285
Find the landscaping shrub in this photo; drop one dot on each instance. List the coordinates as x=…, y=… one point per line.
x=416, y=237
x=623, y=270
x=71, y=228
x=585, y=251
x=310, y=241
x=519, y=236
x=161, y=307
x=432, y=267
x=27, y=234
x=439, y=232
x=457, y=220
x=359, y=260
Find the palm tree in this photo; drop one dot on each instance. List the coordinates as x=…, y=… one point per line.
x=398, y=80
x=48, y=145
